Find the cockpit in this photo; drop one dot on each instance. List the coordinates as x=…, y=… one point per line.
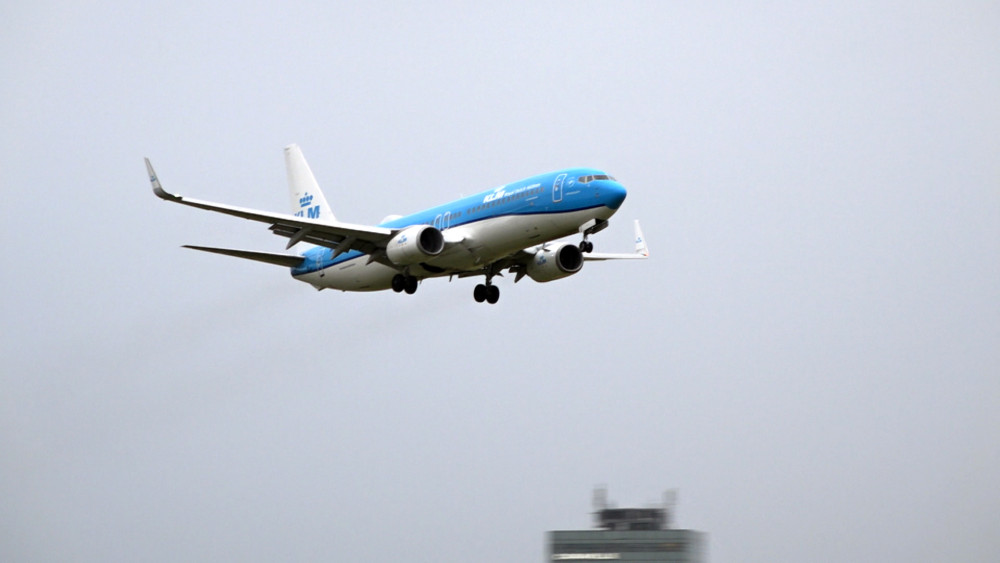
x=591, y=178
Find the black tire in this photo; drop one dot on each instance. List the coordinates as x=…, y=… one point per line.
x=479, y=294
x=411, y=285
x=398, y=283
x=492, y=294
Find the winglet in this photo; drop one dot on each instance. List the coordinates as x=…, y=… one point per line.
x=640, y=241
x=157, y=188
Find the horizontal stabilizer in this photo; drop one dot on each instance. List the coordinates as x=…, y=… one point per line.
x=286, y=260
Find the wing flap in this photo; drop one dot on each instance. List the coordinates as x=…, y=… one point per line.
x=326, y=238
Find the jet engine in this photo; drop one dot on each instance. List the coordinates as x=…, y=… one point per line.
x=555, y=262
x=414, y=244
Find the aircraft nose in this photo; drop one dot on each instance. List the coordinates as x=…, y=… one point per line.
x=613, y=194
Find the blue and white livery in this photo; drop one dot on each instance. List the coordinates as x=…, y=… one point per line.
x=509, y=228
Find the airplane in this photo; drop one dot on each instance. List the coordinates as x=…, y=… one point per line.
x=511, y=227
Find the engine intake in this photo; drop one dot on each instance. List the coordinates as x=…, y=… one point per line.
x=555, y=263
x=414, y=244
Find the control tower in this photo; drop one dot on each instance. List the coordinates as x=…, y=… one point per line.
x=629, y=535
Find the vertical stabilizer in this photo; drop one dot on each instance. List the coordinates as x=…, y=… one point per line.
x=307, y=199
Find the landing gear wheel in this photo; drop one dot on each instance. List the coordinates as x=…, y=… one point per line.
x=586, y=246
x=398, y=283
x=492, y=294
x=411, y=285
x=480, y=293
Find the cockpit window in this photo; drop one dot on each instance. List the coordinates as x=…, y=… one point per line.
x=588, y=179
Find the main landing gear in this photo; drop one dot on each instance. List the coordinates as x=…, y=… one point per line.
x=486, y=292
x=403, y=282
x=586, y=246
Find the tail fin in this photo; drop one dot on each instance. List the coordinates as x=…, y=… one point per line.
x=307, y=199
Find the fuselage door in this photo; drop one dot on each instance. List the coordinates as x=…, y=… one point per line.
x=557, y=188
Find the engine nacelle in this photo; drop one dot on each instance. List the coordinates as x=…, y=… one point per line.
x=555, y=263
x=414, y=244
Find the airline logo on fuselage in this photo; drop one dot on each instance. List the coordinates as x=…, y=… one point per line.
x=502, y=192
x=497, y=194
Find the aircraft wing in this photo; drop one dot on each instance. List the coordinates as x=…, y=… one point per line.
x=517, y=263
x=598, y=256
x=641, y=250
x=341, y=237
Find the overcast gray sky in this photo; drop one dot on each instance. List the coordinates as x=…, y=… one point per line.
x=810, y=356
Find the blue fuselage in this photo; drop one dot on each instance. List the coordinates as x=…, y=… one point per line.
x=500, y=221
